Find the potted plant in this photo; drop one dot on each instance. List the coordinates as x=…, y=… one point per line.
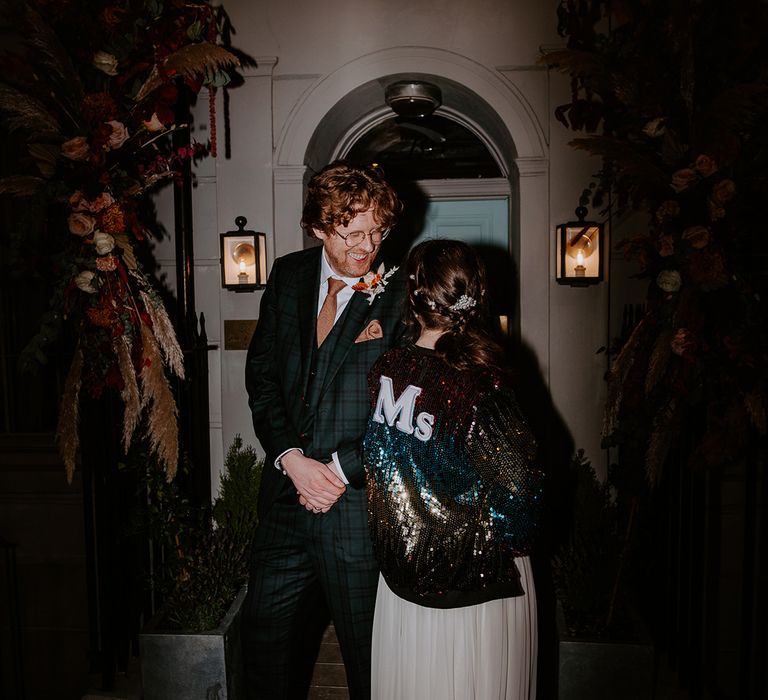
x=604, y=650
x=191, y=647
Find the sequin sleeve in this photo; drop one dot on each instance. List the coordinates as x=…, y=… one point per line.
x=501, y=446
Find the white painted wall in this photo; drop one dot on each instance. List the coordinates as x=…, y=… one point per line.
x=311, y=57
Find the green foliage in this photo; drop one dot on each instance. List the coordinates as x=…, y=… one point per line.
x=206, y=552
x=585, y=567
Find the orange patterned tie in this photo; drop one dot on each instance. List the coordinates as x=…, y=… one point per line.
x=327, y=313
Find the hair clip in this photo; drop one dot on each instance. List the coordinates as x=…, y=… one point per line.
x=464, y=302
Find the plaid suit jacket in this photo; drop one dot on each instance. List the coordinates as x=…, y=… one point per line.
x=279, y=363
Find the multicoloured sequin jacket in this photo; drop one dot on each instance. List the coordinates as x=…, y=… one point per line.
x=453, y=493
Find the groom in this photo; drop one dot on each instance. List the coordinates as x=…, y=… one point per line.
x=326, y=316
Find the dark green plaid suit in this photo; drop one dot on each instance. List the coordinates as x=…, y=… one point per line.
x=316, y=400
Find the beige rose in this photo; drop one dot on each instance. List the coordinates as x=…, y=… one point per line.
x=669, y=280
x=81, y=224
x=705, y=165
x=104, y=200
x=84, y=281
x=154, y=123
x=697, y=236
x=682, y=179
x=723, y=191
x=76, y=148
x=77, y=201
x=105, y=62
x=104, y=242
x=118, y=136
x=666, y=246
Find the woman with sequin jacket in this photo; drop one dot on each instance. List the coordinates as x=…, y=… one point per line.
x=453, y=498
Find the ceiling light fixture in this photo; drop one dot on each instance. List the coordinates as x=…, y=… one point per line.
x=413, y=98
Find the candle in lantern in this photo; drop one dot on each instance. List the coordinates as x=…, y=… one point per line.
x=580, y=269
x=242, y=277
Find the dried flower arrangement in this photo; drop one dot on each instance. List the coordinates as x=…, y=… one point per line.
x=673, y=99
x=89, y=90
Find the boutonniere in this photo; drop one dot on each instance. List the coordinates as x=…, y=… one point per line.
x=373, y=283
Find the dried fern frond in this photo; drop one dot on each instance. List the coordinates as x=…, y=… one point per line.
x=576, y=62
x=627, y=158
x=45, y=156
x=24, y=112
x=190, y=61
x=662, y=350
x=734, y=109
x=130, y=390
x=121, y=239
x=52, y=56
x=194, y=60
x=67, y=435
x=156, y=394
x=617, y=378
x=20, y=185
x=662, y=432
x=165, y=334
x=755, y=404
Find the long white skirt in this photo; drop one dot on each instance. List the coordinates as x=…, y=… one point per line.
x=479, y=652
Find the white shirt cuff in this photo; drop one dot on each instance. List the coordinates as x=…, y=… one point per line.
x=337, y=466
x=281, y=455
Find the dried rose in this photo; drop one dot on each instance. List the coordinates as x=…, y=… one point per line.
x=697, y=236
x=684, y=342
x=81, y=224
x=104, y=200
x=666, y=246
x=716, y=212
x=105, y=62
x=75, y=149
x=104, y=242
x=682, y=179
x=84, y=281
x=112, y=16
x=153, y=123
x=669, y=280
x=705, y=165
x=668, y=210
x=118, y=136
x=723, y=191
x=77, y=201
x=98, y=107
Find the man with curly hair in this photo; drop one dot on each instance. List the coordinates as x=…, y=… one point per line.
x=327, y=314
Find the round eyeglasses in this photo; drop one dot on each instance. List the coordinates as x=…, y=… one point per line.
x=354, y=238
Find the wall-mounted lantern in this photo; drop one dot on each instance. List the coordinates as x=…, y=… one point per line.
x=243, y=258
x=580, y=251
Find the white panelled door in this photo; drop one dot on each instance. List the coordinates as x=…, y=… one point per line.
x=480, y=222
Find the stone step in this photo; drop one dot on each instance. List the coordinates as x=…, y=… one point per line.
x=329, y=679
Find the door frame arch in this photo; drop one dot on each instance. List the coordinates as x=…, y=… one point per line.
x=309, y=139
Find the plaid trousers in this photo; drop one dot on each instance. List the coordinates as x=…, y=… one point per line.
x=301, y=561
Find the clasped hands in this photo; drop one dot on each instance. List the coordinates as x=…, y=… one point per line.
x=317, y=484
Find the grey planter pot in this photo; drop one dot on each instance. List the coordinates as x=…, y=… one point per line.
x=604, y=670
x=205, y=666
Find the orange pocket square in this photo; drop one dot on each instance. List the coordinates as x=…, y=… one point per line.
x=370, y=332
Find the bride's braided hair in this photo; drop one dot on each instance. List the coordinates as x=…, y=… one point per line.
x=447, y=290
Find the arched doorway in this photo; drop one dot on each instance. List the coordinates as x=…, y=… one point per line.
x=452, y=187
x=343, y=107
